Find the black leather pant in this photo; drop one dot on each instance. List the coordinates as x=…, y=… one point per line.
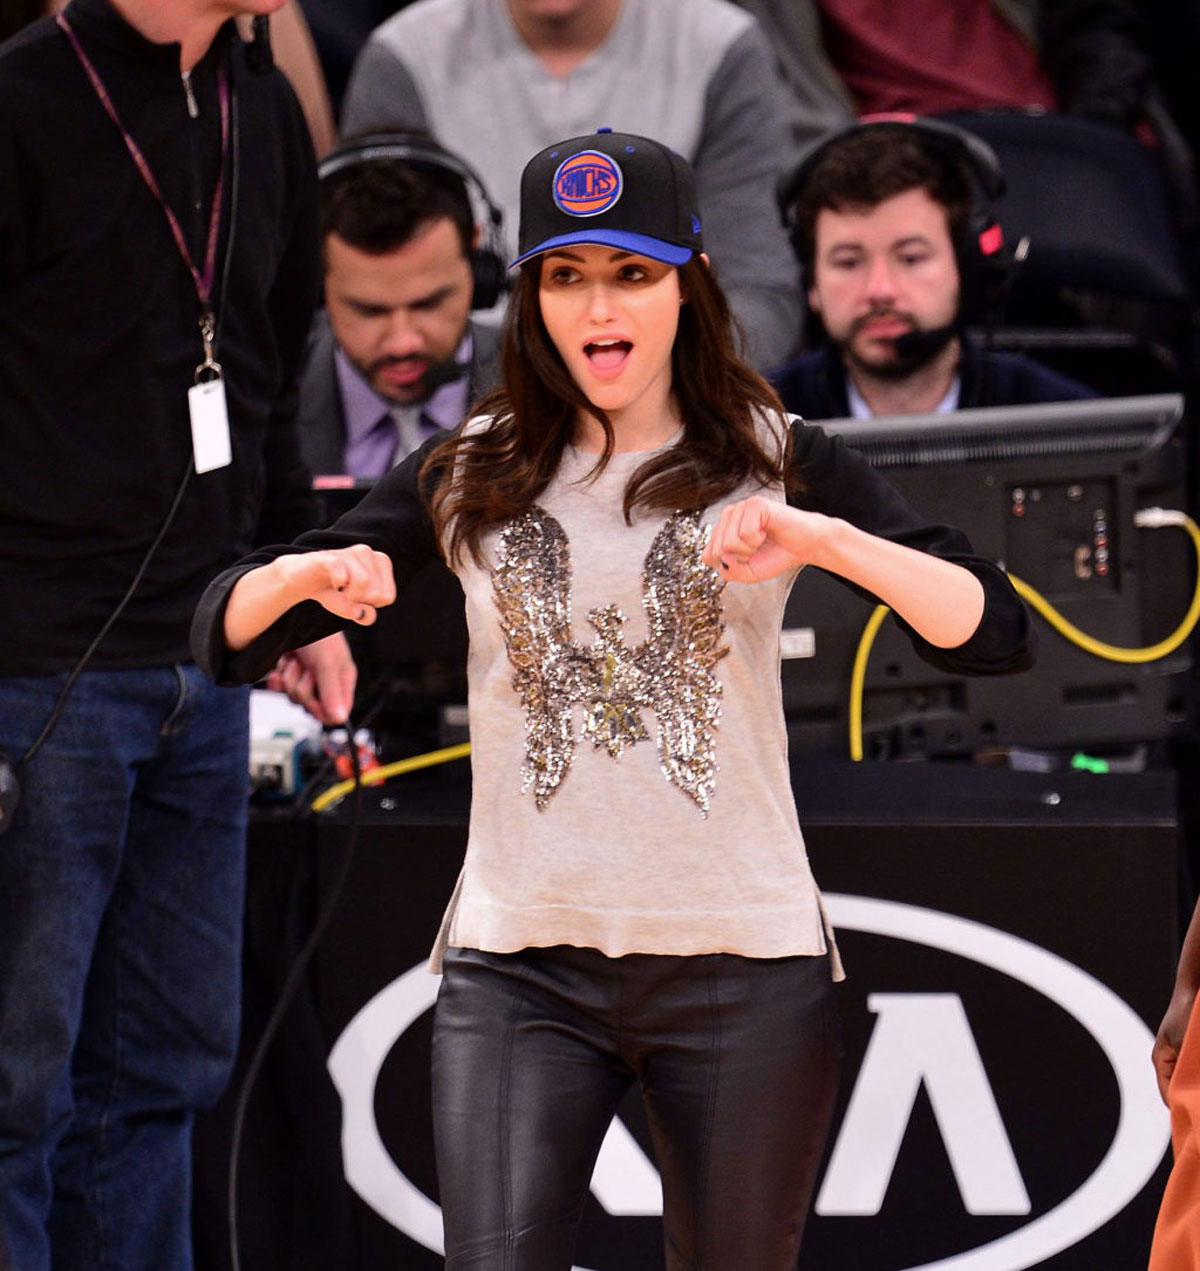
x=532, y=1052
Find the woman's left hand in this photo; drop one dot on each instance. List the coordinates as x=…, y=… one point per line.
x=758, y=538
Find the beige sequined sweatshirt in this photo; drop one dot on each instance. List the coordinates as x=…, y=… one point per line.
x=630, y=783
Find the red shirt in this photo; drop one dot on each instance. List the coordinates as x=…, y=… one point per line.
x=929, y=56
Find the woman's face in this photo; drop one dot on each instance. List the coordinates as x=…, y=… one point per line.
x=612, y=316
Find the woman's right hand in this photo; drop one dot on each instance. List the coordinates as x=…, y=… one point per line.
x=351, y=582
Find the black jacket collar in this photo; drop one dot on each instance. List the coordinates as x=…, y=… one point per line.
x=99, y=25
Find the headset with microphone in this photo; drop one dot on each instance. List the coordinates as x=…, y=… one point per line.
x=488, y=266
x=985, y=262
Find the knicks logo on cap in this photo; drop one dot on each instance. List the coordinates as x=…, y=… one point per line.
x=587, y=183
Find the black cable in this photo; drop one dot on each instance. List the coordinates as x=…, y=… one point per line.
x=77, y=671
x=304, y=796
x=286, y=994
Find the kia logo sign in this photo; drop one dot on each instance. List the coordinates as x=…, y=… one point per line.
x=919, y=1041
x=1143, y=1128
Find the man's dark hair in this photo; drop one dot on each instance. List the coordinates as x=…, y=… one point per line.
x=863, y=169
x=380, y=204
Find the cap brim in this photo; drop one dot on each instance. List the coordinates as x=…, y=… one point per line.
x=641, y=244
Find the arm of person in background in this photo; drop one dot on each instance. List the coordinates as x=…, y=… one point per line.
x=289, y=506
x=381, y=94
x=321, y=677
x=816, y=101
x=742, y=148
x=1174, y=1024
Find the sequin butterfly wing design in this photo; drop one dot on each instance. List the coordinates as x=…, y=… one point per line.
x=532, y=587
x=682, y=598
x=669, y=673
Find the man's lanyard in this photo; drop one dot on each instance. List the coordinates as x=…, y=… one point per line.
x=210, y=368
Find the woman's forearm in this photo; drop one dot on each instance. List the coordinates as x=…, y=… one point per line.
x=351, y=582
x=941, y=601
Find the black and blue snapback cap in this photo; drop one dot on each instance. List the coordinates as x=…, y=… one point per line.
x=614, y=189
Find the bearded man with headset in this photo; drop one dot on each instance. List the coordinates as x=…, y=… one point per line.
x=894, y=223
x=395, y=356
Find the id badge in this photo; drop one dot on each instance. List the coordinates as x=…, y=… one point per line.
x=210, y=425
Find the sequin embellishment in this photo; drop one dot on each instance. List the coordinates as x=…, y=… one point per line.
x=670, y=673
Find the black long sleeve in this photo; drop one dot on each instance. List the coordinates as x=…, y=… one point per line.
x=100, y=335
x=840, y=482
x=392, y=518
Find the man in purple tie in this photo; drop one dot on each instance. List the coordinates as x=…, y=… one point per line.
x=395, y=357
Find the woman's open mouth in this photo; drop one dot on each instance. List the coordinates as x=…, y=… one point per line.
x=607, y=355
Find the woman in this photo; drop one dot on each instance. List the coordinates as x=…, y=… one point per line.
x=635, y=904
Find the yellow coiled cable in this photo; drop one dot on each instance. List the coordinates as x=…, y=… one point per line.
x=1147, y=518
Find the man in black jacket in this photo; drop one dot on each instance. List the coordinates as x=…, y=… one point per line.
x=158, y=256
x=893, y=225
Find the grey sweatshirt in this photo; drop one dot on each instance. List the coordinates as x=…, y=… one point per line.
x=694, y=74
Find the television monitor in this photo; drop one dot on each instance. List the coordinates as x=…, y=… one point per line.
x=1049, y=491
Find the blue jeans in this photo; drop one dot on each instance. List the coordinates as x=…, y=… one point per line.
x=121, y=892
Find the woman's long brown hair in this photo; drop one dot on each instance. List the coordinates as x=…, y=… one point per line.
x=499, y=471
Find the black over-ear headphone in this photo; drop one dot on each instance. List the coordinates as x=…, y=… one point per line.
x=984, y=260
x=488, y=265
